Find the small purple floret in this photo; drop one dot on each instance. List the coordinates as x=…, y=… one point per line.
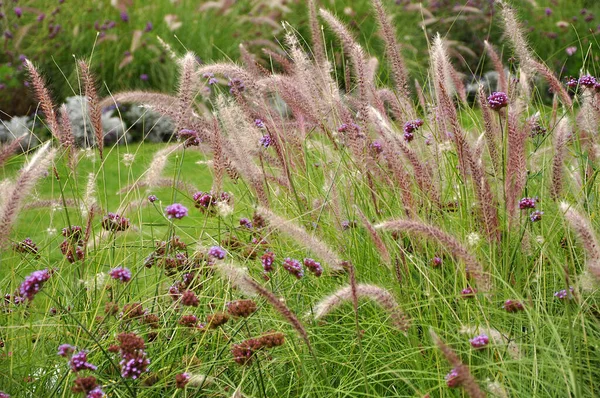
x=79, y=362
x=121, y=273
x=480, y=341
x=176, y=210
x=217, y=252
x=497, y=100
x=33, y=283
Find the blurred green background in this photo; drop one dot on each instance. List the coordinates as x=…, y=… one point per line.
x=120, y=37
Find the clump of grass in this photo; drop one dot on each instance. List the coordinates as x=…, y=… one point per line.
x=160, y=241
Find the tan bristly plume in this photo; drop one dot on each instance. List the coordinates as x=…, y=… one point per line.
x=239, y=277
x=300, y=235
x=586, y=234
x=498, y=66
x=381, y=248
x=467, y=381
x=43, y=95
x=93, y=105
x=378, y=295
x=30, y=174
x=392, y=50
x=473, y=267
x=562, y=135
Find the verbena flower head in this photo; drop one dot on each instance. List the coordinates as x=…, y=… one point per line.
x=149, y=26
x=33, y=284
x=527, y=203
x=114, y=222
x=181, y=380
x=453, y=378
x=468, y=292
x=189, y=137
x=96, y=393
x=267, y=260
x=265, y=141
x=217, y=252
x=259, y=123
x=410, y=127
x=124, y=16
x=189, y=299
x=377, y=147
x=480, y=341
x=176, y=210
x=571, y=50
x=79, y=362
x=26, y=246
x=121, y=273
x=133, y=365
x=497, y=100
x=587, y=81
x=152, y=198
x=572, y=82
x=244, y=222
x=241, y=308
x=564, y=294
x=18, y=12
x=236, y=86
x=293, y=267
x=513, y=306
x=313, y=266
x=64, y=350
x=536, y=216
x=436, y=261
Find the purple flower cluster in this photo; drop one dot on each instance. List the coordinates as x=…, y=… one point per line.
x=96, y=393
x=244, y=222
x=527, y=203
x=376, y=147
x=121, y=273
x=513, y=306
x=134, y=360
x=176, y=210
x=114, y=222
x=294, y=267
x=536, y=216
x=267, y=260
x=436, y=261
x=26, y=246
x=152, y=198
x=345, y=127
x=211, y=78
x=265, y=141
x=64, y=350
x=480, y=341
x=453, y=378
x=133, y=365
x=468, y=292
x=189, y=137
x=33, y=284
x=259, y=123
x=236, y=86
x=564, y=294
x=497, y=100
x=79, y=362
x=587, y=81
x=410, y=127
x=313, y=266
x=572, y=82
x=217, y=252
x=206, y=201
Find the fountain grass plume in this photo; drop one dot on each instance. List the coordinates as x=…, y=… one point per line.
x=29, y=175
x=473, y=268
x=93, y=105
x=300, y=235
x=378, y=295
